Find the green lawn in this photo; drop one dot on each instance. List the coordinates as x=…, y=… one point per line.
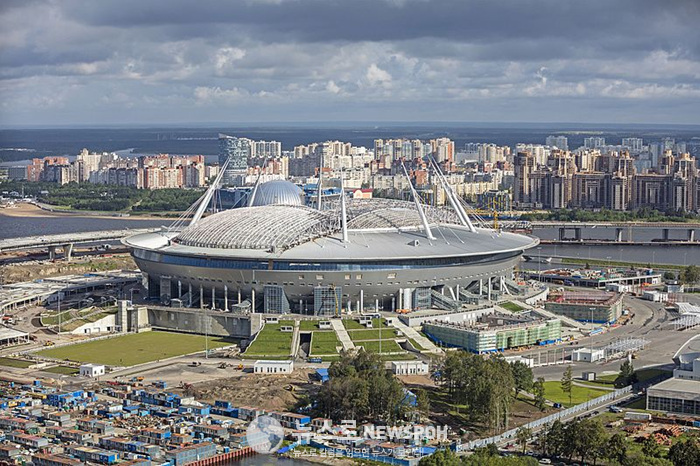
x=310, y=326
x=554, y=393
x=66, y=370
x=9, y=362
x=351, y=324
x=52, y=319
x=324, y=343
x=271, y=342
x=642, y=375
x=388, y=346
x=511, y=306
x=372, y=334
x=133, y=349
x=416, y=345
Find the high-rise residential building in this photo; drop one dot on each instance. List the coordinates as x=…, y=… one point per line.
x=559, y=142
x=633, y=145
x=593, y=142
x=443, y=149
x=267, y=149
x=236, y=151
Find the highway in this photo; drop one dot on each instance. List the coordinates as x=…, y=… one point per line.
x=44, y=241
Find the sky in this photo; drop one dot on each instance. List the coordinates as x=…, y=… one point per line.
x=69, y=62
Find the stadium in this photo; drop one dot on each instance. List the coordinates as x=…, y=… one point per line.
x=278, y=255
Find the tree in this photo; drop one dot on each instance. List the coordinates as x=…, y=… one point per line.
x=485, y=386
x=627, y=376
x=691, y=274
x=647, y=461
x=360, y=388
x=617, y=447
x=538, y=392
x=522, y=376
x=555, y=439
x=685, y=453
x=422, y=401
x=444, y=457
x=567, y=382
x=523, y=435
x=592, y=440
x=651, y=448
x=668, y=275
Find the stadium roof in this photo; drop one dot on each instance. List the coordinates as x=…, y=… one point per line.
x=378, y=229
x=264, y=227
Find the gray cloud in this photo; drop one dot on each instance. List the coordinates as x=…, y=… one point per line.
x=176, y=60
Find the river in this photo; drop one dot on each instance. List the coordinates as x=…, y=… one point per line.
x=40, y=223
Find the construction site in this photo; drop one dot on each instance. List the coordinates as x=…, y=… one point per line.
x=495, y=332
x=600, y=307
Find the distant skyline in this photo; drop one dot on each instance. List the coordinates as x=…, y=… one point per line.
x=160, y=62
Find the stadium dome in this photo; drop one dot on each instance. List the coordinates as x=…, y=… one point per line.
x=278, y=192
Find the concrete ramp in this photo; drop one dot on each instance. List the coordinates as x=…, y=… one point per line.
x=342, y=334
x=413, y=334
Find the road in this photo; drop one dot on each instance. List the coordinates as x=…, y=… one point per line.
x=651, y=322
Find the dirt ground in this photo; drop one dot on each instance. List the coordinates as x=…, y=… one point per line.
x=271, y=392
x=23, y=271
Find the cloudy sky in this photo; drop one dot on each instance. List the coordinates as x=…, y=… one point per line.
x=95, y=62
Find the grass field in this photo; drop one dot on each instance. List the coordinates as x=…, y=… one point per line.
x=271, y=342
x=310, y=326
x=388, y=346
x=372, y=334
x=416, y=345
x=351, y=324
x=554, y=393
x=133, y=349
x=511, y=306
x=642, y=375
x=50, y=320
x=324, y=343
x=9, y=362
x=65, y=370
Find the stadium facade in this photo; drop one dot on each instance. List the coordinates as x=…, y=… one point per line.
x=278, y=255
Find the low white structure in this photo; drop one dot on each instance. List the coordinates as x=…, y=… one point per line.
x=588, y=354
x=92, y=370
x=589, y=376
x=325, y=325
x=529, y=362
x=273, y=367
x=655, y=296
x=688, y=366
x=618, y=287
x=409, y=367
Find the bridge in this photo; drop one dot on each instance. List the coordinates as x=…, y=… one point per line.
x=65, y=241
x=577, y=228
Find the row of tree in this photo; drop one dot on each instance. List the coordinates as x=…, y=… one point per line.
x=87, y=196
x=486, y=386
x=482, y=457
x=587, y=440
x=604, y=215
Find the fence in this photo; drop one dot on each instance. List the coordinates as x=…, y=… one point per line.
x=544, y=421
